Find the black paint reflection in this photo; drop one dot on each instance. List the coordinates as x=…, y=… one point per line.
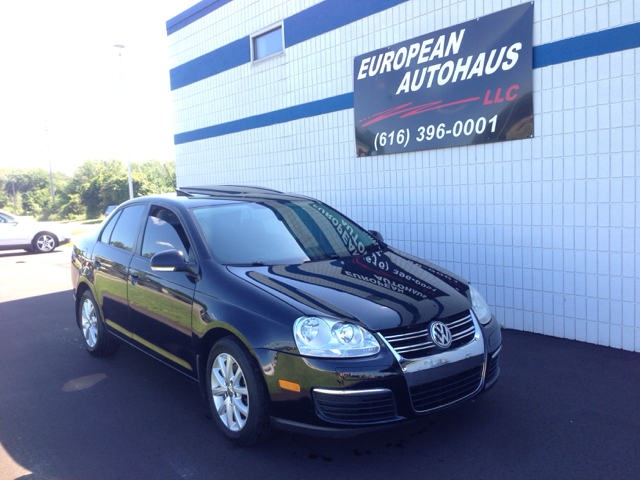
x=381, y=289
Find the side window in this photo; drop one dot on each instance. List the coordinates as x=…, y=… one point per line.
x=164, y=232
x=106, y=233
x=124, y=233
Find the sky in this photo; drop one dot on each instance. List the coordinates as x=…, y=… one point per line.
x=61, y=94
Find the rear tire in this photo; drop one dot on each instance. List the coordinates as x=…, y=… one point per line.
x=44, y=242
x=97, y=340
x=237, y=393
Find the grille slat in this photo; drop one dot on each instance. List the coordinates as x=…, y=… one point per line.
x=415, y=342
x=466, y=332
x=432, y=395
x=455, y=324
x=422, y=333
x=356, y=408
x=412, y=348
x=453, y=392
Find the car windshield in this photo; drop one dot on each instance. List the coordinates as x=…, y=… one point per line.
x=280, y=232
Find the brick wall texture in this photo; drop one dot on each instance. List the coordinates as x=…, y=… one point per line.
x=547, y=228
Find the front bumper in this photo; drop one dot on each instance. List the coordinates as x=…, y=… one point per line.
x=341, y=397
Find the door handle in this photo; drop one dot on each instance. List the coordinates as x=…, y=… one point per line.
x=134, y=279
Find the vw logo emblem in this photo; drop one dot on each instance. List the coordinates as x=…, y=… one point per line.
x=440, y=334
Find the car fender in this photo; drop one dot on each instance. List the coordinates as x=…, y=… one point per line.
x=81, y=272
x=212, y=318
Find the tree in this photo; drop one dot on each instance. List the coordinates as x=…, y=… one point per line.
x=94, y=185
x=32, y=189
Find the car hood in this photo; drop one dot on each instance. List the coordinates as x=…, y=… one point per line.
x=382, y=290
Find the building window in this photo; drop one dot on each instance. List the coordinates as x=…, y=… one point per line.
x=266, y=44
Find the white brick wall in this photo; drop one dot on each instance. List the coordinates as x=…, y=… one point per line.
x=547, y=228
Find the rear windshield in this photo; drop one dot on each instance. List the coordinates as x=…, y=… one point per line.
x=280, y=232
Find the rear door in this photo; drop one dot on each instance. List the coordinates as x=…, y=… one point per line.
x=161, y=302
x=111, y=257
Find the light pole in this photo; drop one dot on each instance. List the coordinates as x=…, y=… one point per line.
x=13, y=185
x=125, y=133
x=53, y=194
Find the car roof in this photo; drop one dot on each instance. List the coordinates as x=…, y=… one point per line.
x=189, y=197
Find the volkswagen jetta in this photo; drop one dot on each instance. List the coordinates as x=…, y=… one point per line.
x=286, y=312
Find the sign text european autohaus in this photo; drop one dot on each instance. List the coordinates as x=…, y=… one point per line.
x=463, y=85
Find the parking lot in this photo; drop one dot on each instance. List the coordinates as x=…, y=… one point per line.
x=561, y=409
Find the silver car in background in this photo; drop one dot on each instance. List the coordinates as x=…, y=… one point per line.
x=25, y=233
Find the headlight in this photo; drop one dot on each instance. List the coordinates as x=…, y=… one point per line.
x=323, y=337
x=480, y=307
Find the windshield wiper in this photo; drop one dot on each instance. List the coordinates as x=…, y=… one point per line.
x=252, y=264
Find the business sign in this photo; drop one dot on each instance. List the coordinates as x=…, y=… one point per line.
x=464, y=85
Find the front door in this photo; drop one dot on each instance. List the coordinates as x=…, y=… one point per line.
x=161, y=302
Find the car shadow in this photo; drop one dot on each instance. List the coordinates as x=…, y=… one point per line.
x=22, y=253
x=16, y=253
x=68, y=415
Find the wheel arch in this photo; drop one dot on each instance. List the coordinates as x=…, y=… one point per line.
x=206, y=343
x=41, y=232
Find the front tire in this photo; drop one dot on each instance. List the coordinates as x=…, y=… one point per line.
x=97, y=340
x=44, y=242
x=236, y=393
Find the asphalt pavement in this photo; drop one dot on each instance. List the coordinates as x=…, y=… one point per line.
x=561, y=409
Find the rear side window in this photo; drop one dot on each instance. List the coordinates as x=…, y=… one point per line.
x=106, y=233
x=124, y=233
x=164, y=232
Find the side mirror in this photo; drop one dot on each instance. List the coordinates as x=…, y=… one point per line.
x=377, y=235
x=171, y=261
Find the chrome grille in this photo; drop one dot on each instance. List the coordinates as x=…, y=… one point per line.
x=415, y=342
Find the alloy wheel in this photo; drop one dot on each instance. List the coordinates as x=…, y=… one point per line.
x=45, y=243
x=230, y=393
x=89, y=323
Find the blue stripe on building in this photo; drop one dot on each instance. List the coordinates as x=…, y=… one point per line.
x=311, y=109
x=313, y=21
x=222, y=59
x=589, y=45
x=192, y=14
x=329, y=15
x=584, y=46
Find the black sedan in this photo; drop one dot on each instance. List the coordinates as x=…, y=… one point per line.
x=286, y=312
